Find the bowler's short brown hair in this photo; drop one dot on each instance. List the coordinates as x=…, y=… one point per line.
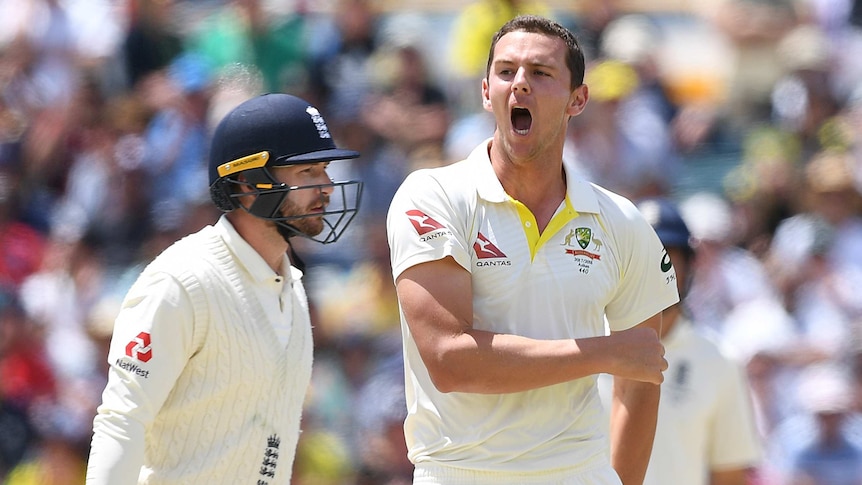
x=540, y=25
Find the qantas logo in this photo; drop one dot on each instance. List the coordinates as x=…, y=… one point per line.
x=428, y=228
x=486, y=250
x=139, y=348
x=422, y=222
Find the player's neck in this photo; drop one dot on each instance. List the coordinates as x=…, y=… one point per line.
x=529, y=178
x=262, y=236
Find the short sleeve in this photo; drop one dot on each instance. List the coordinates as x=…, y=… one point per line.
x=427, y=223
x=647, y=277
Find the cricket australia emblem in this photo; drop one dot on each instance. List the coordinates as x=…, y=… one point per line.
x=584, y=247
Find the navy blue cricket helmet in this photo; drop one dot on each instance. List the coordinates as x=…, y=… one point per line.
x=665, y=218
x=277, y=130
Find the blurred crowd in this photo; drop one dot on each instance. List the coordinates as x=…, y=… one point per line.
x=747, y=113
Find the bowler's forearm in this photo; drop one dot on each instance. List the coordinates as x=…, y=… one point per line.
x=634, y=414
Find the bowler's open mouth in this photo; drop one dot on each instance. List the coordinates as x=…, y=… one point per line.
x=521, y=120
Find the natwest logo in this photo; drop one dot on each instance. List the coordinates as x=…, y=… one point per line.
x=139, y=347
x=422, y=222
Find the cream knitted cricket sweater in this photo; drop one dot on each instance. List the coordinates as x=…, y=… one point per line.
x=234, y=414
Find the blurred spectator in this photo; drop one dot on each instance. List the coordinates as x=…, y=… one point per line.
x=815, y=317
x=725, y=274
x=759, y=334
x=152, y=38
x=475, y=25
x=56, y=461
x=840, y=23
x=25, y=379
x=340, y=62
x=176, y=139
x=590, y=23
x=764, y=187
x=60, y=39
x=636, y=40
x=254, y=32
x=381, y=410
x=778, y=337
x=16, y=436
x=755, y=29
x=340, y=77
x=821, y=445
x=407, y=115
x=46, y=32
x=57, y=300
x=405, y=108
x=834, y=197
x=355, y=412
x=108, y=152
x=805, y=96
x=21, y=245
x=810, y=287
x=814, y=260
x=622, y=141
x=673, y=84
x=322, y=458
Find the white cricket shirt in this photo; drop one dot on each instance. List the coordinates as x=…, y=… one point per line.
x=597, y=257
x=705, y=420
x=208, y=386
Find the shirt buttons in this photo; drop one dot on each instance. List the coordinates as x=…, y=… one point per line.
x=528, y=224
x=278, y=279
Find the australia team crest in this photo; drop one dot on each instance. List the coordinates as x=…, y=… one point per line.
x=584, y=247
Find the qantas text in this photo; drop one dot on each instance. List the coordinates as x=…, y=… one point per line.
x=434, y=235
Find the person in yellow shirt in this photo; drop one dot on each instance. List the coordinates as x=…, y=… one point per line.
x=476, y=25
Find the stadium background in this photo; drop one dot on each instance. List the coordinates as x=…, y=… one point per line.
x=747, y=113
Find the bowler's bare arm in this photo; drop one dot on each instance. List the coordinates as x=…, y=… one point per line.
x=437, y=300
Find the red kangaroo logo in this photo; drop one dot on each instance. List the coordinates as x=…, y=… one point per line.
x=486, y=249
x=422, y=222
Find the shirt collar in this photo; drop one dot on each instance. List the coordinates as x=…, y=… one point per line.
x=579, y=191
x=488, y=185
x=247, y=256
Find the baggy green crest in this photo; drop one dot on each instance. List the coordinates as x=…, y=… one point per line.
x=584, y=235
